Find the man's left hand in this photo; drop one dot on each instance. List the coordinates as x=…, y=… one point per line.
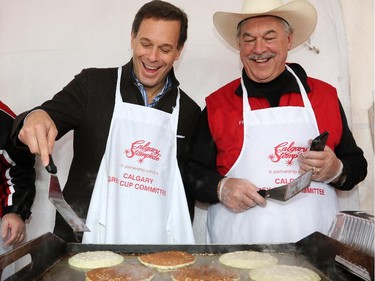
x=12, y=229
x=325, y=164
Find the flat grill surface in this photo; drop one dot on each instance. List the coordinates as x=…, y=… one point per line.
x=49, y=257
x=62, y=271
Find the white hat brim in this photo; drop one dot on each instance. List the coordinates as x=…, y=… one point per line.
x=300, y=15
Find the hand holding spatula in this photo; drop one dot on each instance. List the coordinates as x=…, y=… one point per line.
x=285, y=192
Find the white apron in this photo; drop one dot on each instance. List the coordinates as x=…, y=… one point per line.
x=273, y=138
x=138, y=197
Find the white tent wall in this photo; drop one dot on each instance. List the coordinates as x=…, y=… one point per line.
x=358, y=19
x=43, y=44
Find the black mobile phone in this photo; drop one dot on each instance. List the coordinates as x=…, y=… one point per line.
x=319, y=142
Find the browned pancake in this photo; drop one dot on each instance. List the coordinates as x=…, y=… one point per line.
x=168, y=260
x=126, y=272
x=205, y=273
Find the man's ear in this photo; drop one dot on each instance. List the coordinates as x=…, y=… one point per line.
x=179, y=51
x=132, y=36
x=290, y=40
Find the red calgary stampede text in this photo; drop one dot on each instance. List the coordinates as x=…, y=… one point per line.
x=287, y=151
x=143, y=150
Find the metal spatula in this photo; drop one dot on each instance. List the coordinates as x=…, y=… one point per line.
x=285, y=192
x=56, y=197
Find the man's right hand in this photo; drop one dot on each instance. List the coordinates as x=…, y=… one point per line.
x=39, y=133
x=240, y=195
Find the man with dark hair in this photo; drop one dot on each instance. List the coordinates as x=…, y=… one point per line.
x=132, y=126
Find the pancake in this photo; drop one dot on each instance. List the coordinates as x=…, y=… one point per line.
x=204, y=273
x=95, y=259
x=283, y=273
x=247, y=259
x=167, y=260
x=125, y=272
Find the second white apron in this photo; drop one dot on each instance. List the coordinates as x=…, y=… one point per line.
x=138, y=196
x=273, y=138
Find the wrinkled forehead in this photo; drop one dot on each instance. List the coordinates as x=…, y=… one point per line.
x=266, y=17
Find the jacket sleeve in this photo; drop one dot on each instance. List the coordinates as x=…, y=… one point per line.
x=17, y=181
x=66, y=108
x=352, y=157
x=201, y=176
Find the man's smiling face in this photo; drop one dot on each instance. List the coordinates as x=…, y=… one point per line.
x=154, y=51
x=264, y=43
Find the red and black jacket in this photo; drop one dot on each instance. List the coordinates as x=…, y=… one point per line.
x=17, y=174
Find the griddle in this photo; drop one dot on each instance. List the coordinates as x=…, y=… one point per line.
x=49, y=257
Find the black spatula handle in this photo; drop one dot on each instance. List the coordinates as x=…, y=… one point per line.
x=51, y=167
x=262, y=193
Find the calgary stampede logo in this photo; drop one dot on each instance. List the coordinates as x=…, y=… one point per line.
x=287, y=152
x=142, y=150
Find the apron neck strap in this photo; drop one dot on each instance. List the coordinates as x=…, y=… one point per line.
x=118, y=92
x=306, y=102
x=305, y=99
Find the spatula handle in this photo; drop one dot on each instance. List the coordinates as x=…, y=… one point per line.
x=262, y=193
x=51, y=167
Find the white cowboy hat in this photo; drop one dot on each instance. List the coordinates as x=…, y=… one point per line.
x=299, y=14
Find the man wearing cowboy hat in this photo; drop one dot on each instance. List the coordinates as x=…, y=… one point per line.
x=255, y=132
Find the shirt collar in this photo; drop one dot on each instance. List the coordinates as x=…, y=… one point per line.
x=142, y=89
